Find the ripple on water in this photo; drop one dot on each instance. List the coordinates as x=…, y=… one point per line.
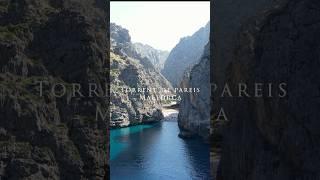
x=156, y=152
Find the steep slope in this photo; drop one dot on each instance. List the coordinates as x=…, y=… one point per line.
x=275, y=41
x=129, y=70
x=157, y=57
x=194, y=111
x=50, y=137
x=185, y=54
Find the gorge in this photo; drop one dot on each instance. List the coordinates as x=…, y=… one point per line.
x=146, y=81
x=143, y=133
x=50, y=131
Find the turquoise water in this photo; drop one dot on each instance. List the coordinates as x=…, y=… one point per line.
x=152, y=152
x=118, y=146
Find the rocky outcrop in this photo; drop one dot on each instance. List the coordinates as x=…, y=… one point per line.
x=45, y=136
x=194, y=114
x=119, y=36
x=269, y=42
x=185, y=54
x=157, y=57
x=131, y=70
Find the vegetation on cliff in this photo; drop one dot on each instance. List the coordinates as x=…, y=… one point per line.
x=45, y=137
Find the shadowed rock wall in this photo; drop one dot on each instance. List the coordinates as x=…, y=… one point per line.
x=269, y=42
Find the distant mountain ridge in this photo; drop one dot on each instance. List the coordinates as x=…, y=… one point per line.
x=185, y=54
x=120, y=36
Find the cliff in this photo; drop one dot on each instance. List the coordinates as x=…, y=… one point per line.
x=185, y=55
x=157, y=57
x=131, y=70
x=50, y=137
x=194, y=114
x=269, y=42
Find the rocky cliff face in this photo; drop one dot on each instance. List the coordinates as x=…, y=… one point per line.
x=50, y=137
x=131, y=70
x=185, y=54
x=157, y=57
x=269, y=138
x=194, y=114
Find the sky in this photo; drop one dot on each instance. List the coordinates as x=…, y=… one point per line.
x=160, y=24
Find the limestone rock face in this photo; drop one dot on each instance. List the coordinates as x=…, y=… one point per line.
x=49, y=137
x=270, y=138
x=194, y=108
x=185, y=55
x=131, y=70
x=157, y=57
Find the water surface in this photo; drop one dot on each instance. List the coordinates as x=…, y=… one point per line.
x=151, y=152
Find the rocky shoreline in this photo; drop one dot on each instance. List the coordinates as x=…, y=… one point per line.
x=131, y=125
x=169, y=113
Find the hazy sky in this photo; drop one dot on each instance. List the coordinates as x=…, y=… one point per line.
x=160, y=24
